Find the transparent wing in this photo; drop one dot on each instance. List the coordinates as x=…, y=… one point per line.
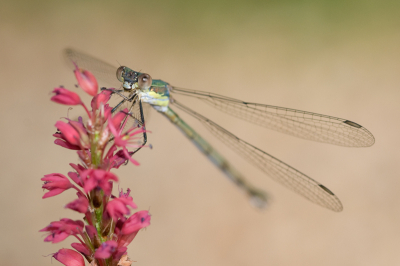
x=276, y=169
x=120, y=100
x=102, y=70
x=302, y=124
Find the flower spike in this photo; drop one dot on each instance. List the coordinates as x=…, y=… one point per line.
x=106, y=230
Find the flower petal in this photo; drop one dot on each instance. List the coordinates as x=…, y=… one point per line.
x=86, y=81
x=68, y=132
x=136, y=222
x=69, y=257
x=100, y=98
x=56, y=183
x=81, y=248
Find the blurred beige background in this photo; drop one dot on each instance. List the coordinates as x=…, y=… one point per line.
x=340, y=58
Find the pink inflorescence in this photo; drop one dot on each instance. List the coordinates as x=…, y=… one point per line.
x=107, y=227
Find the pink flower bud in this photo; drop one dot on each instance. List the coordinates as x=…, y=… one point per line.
x=69, y=257
x=68, y=132
x=56, y=184
x=64, y=96
x=86, y=81
x=73, y=133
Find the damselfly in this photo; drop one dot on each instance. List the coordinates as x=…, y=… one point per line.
x=133, y=88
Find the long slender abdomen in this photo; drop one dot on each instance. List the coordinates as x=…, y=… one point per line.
x=258, y=197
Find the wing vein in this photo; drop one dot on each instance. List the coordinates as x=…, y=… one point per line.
x=302, y=124
x=273, y=167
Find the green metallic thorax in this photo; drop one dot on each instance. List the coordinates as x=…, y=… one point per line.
x=157, y=95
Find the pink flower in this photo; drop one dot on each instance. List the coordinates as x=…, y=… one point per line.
x=56, y=184
x=105, y=231
x=106, y=250
x=63, y=143
x=118, y=207
x=86, y=81
x=98, y=178
x=64, y=96
x=60, y=230
x=76, y=178
x=110, y=249
x=128, y=229
x=77, y=167
x=137, y=221
x=74, y=133
x=81, y=248
x=80, y=205
x=68, y=133
x=100, y=99
x=69, y=257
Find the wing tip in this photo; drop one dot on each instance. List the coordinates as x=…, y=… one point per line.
x=334, y=205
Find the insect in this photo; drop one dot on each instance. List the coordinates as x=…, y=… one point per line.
x=134, y=88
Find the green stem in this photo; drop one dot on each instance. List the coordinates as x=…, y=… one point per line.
x=99, y=215
x=96, y=152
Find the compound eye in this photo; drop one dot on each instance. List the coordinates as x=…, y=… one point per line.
x=120, y=73
x=144, y=81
